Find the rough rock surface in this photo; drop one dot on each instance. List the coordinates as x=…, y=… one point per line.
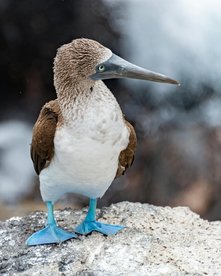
x=157, y=241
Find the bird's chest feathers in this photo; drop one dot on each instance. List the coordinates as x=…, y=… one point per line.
x=97, y=131
x=102, y=124
x=99, y=128
x=93, y=135
x=96, y=116
x=89, y=153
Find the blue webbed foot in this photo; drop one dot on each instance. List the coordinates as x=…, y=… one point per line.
x=90, y=224
x=87, y=227
x=50, y=234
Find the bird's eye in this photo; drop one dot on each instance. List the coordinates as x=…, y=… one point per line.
x=101, y=68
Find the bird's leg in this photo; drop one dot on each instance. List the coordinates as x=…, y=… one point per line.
x=51, y=233
x=90, y=224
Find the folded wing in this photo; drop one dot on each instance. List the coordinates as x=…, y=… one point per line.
x=42, y=146
x=126, y=157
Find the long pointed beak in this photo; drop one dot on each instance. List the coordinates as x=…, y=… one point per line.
x=117, y=67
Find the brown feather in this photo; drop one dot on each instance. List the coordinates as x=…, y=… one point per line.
x=126, y=156
x=42, y=146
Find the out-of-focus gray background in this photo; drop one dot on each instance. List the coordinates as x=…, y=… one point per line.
x=178, y=160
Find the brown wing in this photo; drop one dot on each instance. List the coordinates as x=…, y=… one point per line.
x=126, y=157
x=42, y=146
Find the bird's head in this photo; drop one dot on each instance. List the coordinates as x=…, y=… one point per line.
x=85, y=59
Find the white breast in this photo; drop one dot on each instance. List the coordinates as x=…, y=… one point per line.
x=86, y=154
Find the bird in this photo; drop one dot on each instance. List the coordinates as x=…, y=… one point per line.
x=81, y=140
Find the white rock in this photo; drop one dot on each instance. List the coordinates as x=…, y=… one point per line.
x=157, y=241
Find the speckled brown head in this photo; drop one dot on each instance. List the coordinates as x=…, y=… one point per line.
x=85, y=59
x=77, y=60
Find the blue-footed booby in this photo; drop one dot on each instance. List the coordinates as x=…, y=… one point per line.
x=81, y=140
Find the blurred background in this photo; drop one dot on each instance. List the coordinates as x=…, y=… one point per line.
x=178, y=160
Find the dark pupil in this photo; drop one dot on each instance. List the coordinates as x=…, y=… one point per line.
x=101, y=67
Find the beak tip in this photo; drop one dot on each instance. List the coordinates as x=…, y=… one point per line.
x=175, y=82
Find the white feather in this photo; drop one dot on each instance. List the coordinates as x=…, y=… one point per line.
x=87, y=149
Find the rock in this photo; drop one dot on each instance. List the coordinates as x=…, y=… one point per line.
x=157, y=241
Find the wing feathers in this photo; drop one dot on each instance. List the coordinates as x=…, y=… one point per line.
x=126, y=157
x=42, y=146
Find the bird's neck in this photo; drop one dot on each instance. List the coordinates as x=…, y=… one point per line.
x=73, y=98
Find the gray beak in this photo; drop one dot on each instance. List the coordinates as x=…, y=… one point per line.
x=117, y=67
